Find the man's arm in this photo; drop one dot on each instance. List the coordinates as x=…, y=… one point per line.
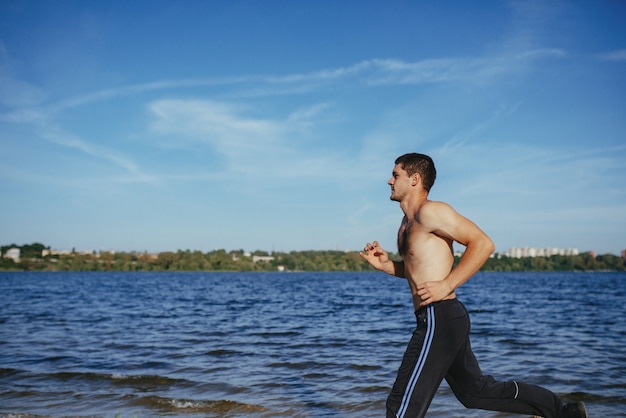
x=379, y=259
x=443, y=220
x=478, y=250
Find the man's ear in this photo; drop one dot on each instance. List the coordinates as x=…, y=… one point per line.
x=415, y=179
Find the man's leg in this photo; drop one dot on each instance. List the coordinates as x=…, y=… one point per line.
x=475, y=390
x=441, y=329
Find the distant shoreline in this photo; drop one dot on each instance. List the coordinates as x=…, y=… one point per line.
x=37, y=259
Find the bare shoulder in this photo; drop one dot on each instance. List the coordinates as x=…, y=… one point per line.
x=442, y=219
x=434, y=211
x=433, y=205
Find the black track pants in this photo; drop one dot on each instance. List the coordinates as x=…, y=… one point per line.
x=440, y=348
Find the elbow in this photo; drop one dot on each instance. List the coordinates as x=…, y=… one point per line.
x=490, y=247
x=482, y=245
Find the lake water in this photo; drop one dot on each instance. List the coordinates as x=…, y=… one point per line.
x=288, y=344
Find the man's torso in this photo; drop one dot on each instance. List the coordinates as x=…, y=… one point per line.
x=426, y=255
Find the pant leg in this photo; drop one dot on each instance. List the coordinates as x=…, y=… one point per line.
x=479, y=391
x=441, y=329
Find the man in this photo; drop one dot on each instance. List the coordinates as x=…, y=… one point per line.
x=440, y=346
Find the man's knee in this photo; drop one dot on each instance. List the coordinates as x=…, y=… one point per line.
x=468, y=401
x=475, y=394
x=391, y=407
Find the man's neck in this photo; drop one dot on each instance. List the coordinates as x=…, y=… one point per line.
x=411, y=204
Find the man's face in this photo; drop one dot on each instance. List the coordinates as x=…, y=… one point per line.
x=400, y=183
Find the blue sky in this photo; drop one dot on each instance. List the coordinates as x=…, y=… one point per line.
x=273, y=125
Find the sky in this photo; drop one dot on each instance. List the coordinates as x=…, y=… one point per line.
x=154, y=125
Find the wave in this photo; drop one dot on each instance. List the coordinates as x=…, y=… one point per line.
x=269, y=334
x=222, y=352
x=220, y=407
x=145, y=380
x=593, y=398
x=117, y=379
x=6, y=372
x=296, y=352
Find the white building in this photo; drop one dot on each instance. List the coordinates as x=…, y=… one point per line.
x=517, y=252
x=266, y=258
x=13, y=253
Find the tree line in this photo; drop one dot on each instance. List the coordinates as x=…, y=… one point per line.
x=32, y=259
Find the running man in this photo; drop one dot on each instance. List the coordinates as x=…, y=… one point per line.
x=440, y=347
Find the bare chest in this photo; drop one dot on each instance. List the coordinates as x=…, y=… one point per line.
x=416, y=245
x=408, y=239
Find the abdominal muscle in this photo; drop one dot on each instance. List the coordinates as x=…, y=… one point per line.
x=427, y=266
x=417, y=300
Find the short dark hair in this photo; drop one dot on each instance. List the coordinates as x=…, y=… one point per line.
x=419, y=163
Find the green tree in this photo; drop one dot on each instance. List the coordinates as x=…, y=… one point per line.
x=166, y=260
x=32, y=250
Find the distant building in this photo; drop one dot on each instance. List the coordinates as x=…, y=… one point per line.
x=623, y=254
x=46, y=252
x=517, y=252
x=13, y=253
x=459, y=253
x=266, y=258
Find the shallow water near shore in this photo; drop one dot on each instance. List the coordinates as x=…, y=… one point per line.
x=289, y=344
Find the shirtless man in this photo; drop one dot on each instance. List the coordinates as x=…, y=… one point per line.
x=440, y=346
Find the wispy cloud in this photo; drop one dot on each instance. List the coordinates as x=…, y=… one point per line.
x=618, y=55
x=249, y=140
x=134, y=173
x=216, y=123
x=14, y=92
x=159, y=85
x=246, y=144
x=532, y=176
x=246, y=138
x=368, y=72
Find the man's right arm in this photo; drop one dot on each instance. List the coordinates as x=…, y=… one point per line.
x=379, y=259
x=397, y=269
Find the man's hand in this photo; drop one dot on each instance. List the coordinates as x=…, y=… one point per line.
x=435, y=291
x=375, y=255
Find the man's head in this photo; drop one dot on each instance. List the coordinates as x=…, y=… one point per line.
x=421, y=164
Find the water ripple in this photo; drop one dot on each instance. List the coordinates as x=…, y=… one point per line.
x=292, y=345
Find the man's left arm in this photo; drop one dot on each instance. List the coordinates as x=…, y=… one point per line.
x=479, y=247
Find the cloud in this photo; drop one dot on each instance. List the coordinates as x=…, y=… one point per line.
x=101, y=153
x=243, y=136
x=245, y=144
x=528, y=176
x=428, y=71
x=159, y=85
x=368, y=72
x=216, y=123
x=15, y=93
x=618, y=55
x=309, y=112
